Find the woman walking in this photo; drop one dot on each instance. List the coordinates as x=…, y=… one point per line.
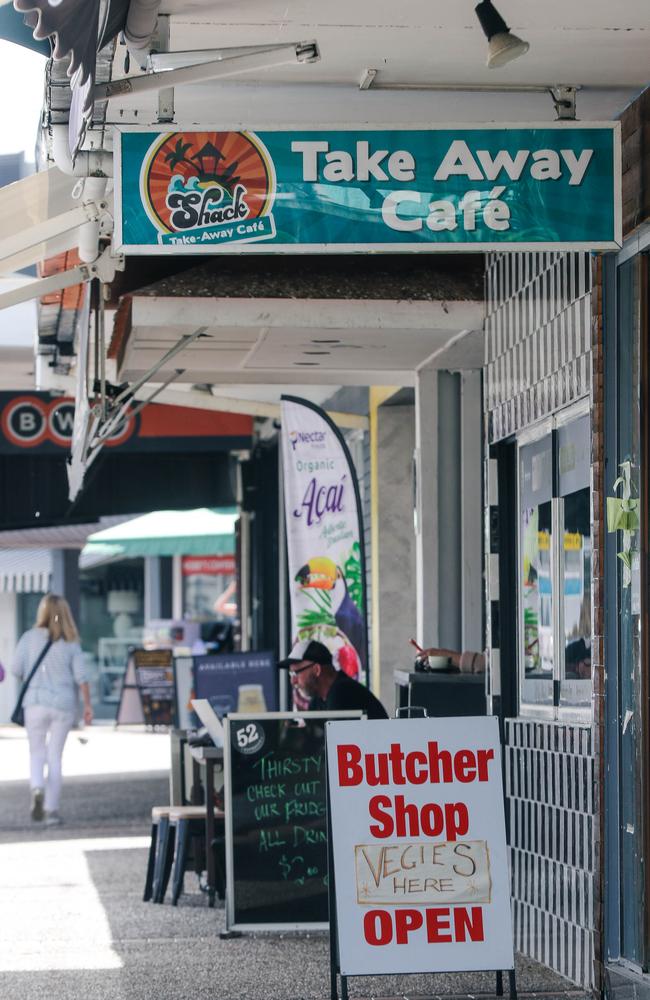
x=51, y=701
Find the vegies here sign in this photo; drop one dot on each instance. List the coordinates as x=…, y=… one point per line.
x=419, y=846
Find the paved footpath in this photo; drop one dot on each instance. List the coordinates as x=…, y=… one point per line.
x=73, y=925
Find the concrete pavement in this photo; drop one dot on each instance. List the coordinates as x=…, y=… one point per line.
x=73, y=925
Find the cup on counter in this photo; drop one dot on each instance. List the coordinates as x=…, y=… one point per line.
x=251, y=698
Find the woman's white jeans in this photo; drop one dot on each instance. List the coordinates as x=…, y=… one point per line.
x=47, y=730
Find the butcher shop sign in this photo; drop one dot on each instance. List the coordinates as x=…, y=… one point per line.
x=419, y=846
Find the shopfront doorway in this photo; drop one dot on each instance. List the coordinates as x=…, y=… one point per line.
x=627, y=784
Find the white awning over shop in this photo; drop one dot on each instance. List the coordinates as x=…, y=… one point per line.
x=25, y=571
x=42, y=217
x=45, y=215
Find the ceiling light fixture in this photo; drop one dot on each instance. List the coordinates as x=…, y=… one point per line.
x=503, y=47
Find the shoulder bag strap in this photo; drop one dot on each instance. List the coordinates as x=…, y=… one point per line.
x=26, y=683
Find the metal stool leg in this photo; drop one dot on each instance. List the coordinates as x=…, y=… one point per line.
x=219, y=849
x=161, y=848
x=151, y=863
x=180, y=858
x=165, y=857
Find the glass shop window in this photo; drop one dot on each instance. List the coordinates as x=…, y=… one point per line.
x=554, y=571
x=574, y=509
x=536, y=572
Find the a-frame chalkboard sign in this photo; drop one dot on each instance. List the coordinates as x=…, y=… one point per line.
x=276, y=831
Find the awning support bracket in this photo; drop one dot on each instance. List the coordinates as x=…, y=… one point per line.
x=122, y=401
x=104, y=268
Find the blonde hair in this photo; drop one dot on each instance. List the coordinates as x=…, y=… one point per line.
x=54, y=614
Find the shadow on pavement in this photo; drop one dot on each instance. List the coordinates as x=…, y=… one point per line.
x=176, y=953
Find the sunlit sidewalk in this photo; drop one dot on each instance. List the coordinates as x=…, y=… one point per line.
x=73, y=925
x=97, y=749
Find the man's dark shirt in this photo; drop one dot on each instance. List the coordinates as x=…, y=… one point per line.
x=347, y=694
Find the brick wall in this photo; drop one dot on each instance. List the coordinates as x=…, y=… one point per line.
x=635, y=137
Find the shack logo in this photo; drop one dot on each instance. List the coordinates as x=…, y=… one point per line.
x=209, y=188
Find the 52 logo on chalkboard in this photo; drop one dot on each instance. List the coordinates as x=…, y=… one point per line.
x=249, y=737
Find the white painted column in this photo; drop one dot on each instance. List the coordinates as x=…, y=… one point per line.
x=8, y=639
x=177, y=588
x=471, y=509
x=426, y=506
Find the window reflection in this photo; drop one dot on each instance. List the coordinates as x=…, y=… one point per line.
x=577, y=586
x=537, y=591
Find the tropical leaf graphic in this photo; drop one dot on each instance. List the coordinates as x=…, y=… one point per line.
x=320, y=614
x=353, y=578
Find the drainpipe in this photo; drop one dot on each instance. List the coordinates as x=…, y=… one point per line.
x=88, y=162
x=140, y=27
x=93, y=167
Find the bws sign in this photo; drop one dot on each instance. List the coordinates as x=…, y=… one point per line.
x=31, y=421
x=419, y=846
x=482, y=187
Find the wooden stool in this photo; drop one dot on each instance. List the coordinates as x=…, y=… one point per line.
x=189, y=821
x=159, y=823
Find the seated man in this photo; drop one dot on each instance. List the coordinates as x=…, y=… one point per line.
x=312, y=671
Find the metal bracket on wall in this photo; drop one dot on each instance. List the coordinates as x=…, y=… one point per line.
x=564, y=102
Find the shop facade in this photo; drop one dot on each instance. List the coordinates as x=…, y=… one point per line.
x=539, y=601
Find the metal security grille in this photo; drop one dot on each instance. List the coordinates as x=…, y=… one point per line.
x=538, y=329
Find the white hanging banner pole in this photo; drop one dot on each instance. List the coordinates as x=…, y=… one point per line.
x=326, y=557
x=222, y=68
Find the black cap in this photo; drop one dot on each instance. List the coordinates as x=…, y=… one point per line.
x=308, y=649
x=577, y=651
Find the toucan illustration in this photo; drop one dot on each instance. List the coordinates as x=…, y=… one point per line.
x=318, y=574
x=322, y=573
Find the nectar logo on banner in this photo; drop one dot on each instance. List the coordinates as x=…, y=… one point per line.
x=202, y=188
x=306, y=437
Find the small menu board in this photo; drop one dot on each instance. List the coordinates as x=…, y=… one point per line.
x=276, y=820
x=149, y=691
x=154, y=671
x=244, y=681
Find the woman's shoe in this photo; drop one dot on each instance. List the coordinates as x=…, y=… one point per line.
x=53, y=818
x=36, y=811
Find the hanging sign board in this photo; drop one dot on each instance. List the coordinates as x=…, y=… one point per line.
x=324, y=536
x=419, y=846
x=476, y=187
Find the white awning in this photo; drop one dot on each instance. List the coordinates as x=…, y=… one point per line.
x=40, y=217
x=25, y=571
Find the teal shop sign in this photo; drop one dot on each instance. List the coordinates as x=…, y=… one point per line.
x=359, y=190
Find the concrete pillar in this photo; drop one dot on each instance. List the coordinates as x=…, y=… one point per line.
x=426, y=506
x=446, y=513
x=157, y=587
x=471, y=434
x=396, y=555
x=65, y=577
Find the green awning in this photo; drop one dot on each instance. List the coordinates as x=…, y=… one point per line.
x=200, y=532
